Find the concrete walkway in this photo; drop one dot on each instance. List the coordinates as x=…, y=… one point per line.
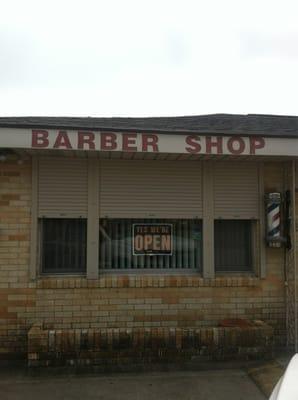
x=227, y=384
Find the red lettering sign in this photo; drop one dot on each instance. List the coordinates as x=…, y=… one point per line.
x=108, y=141
x=128, y=140
x=255, y=144
x=217, y=143
x=62, y=140
x=134, y=142
x=150, y=140
x=40, y=138
x=86, y=138
x=236, y=145
x=192, y=141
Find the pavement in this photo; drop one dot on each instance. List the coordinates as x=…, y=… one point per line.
x=224, y=384
x=267, y=374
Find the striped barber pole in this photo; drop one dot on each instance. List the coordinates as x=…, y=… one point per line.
x=273, y=219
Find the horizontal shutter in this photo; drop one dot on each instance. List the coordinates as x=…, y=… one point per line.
x=62, y=187
x=236, y=190
x=143, y=189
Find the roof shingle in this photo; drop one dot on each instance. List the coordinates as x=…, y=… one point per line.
x=216, y=124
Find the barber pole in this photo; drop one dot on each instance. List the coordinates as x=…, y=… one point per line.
x=273, y=201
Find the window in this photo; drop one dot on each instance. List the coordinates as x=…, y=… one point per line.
x=113, y=195
x=63, y=245
x=233, y=245
x=116, y=249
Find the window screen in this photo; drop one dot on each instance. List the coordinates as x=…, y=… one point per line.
x=63, y=245
x=116, y=245
x=232, y=241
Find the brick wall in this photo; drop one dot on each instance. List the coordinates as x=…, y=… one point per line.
x=17, y=296
x=115, y=347
x=114, y=301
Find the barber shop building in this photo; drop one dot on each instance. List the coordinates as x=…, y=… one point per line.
x=147, y=239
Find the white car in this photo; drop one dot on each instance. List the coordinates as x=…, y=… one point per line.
x=287, y=387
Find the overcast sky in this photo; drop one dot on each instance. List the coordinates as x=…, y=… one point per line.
x=148, y=58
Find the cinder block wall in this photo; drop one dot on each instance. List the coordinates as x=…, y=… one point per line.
x=118, y=301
